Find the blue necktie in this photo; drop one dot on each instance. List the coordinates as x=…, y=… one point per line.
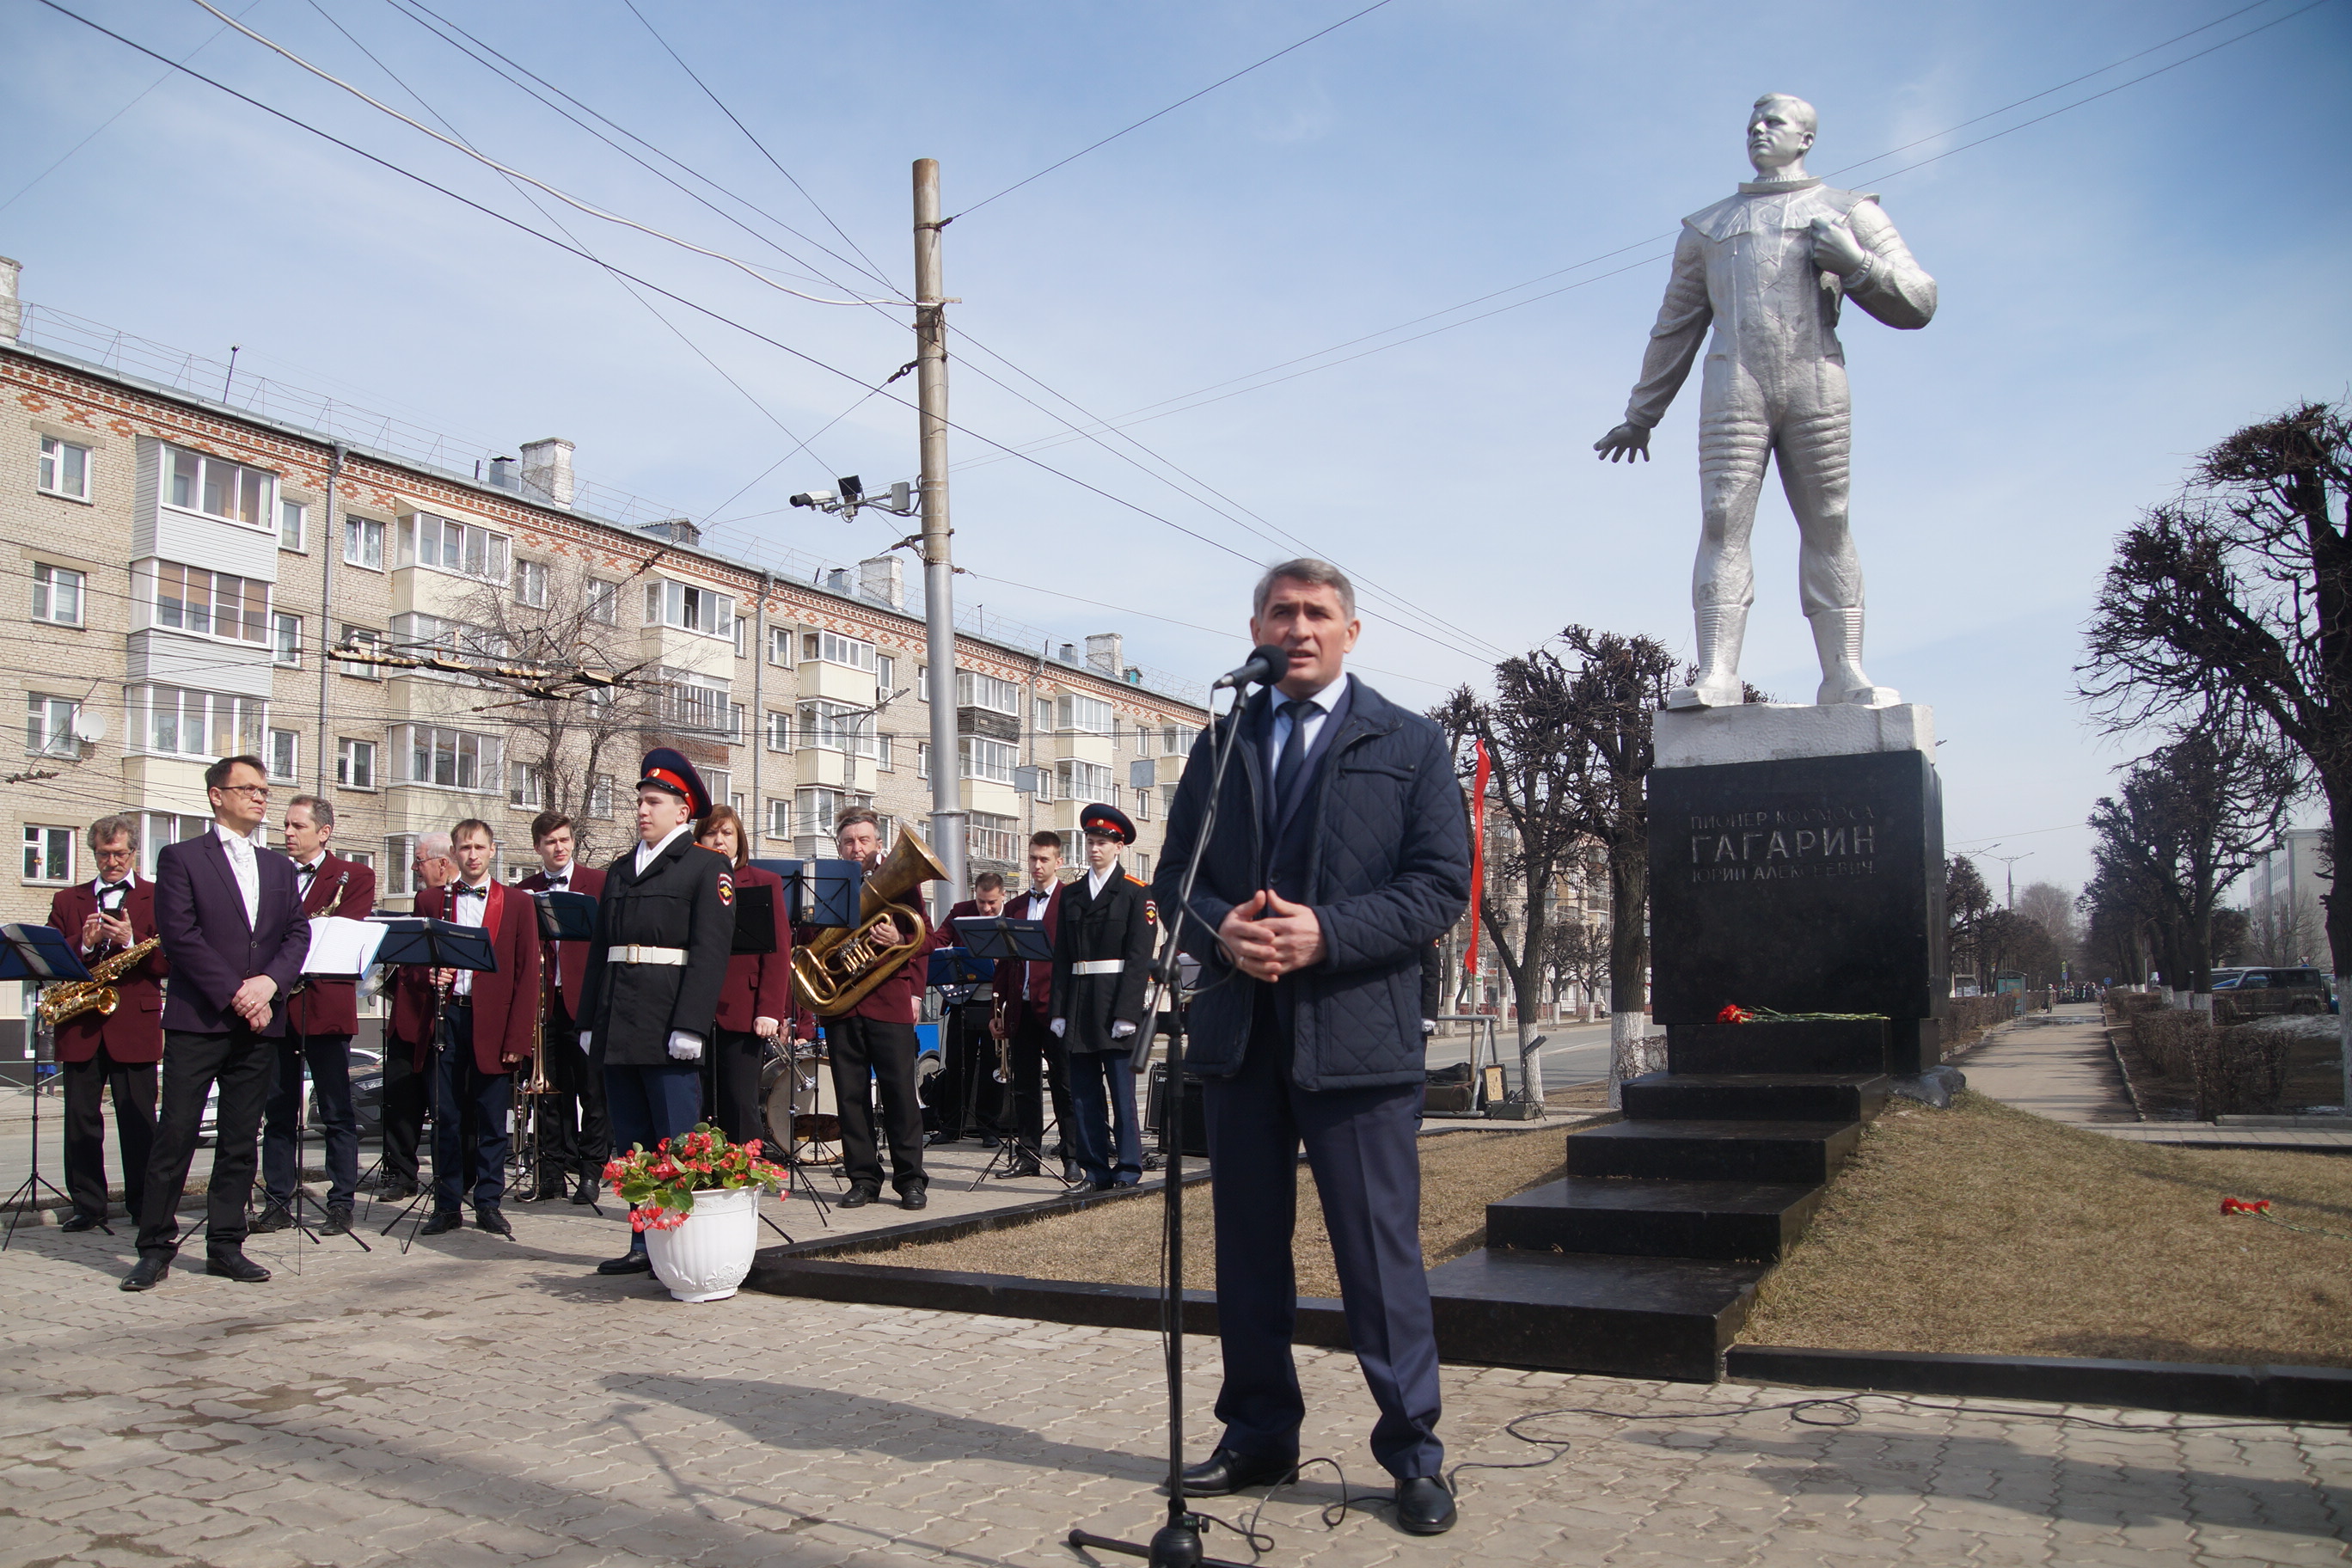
x=1287, y=767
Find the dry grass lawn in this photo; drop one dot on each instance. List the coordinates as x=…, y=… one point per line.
x=1987, y=1230
x=1118, y=1243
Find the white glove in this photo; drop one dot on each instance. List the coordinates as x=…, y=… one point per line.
x=685, y=1046
x=1121, y=1030
x=587, y=1039
x=1060, y=1027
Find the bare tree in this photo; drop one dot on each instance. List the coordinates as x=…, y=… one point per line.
x=2285, y=932
x=2052, y=908
x=1576, y=959
x=1966, y=900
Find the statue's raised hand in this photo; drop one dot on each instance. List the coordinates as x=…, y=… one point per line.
x=1836, y=250
x=1624, y=443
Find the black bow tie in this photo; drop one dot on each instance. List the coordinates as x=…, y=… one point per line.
x=120, y=890
x=310, y=870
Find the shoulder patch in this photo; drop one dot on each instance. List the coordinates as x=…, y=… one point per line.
x=1150, y=913
x=726, y=887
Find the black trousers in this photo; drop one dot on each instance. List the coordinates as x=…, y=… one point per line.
x=240, y=1062
x=730, y=1084
x=469, y=1122
x=576, y=1136
x=133, y=1088
x=966, y=1097
x=868, y=1052
x=406, y=1093
x=1039, y=1066
x=330, y=1056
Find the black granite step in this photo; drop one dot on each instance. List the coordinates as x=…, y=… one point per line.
x=1849, y=1045
x=1749, y=1221
x=1755, y=1096
x=1714, y=1151
x=1629, y=1317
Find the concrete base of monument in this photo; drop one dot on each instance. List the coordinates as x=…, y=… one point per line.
x=1773, y=731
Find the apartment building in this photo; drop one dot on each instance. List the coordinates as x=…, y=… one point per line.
x=189, y=578
x=2286, y=898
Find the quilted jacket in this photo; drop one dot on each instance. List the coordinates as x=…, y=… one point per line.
x=1389, y=873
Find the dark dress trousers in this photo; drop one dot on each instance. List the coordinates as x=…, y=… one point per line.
x=487, y=1038
x=573, y=1137
x=684, y=904
x=214, y=949
x=966, y=1098
x=1037, y=1056
x=759, y=986
x=1111, y=936
x=113, y=1055
x=1374, y=838
x=322, y=1017
x=872, y=1047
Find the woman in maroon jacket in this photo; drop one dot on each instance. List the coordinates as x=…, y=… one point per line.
x=758, y=998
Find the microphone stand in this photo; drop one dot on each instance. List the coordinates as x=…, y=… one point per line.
x=1177, y=1543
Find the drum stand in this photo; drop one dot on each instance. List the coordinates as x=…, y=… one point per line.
x=796, y=1177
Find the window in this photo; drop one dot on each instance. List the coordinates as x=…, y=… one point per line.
x=991, y=838
x=530, y=583
x=600, y=795
x=1087, y=715
x=48, y=726
x=974, y=689
x=158, y=828
x=1142, y=867
x=1172, y=742
x=780, y=732
x=1044, y=776
x=432, y=634
x=735, y=732
x=48, y=854
x=923, y=761
x=469, y=550
x=286, y=644
x=685, y=700
x=837, y=727
x=359, y=636
x=886, y=673
x=1044, y=718
x=780, y=818
x=720, y=783
x=356, y=763
x=1167, y=799
x=176, y=722
x=815, y=809
x=689, y=608
x=65, y=469
x=400, y=866
x=977, y=758
x=211, y=604
x=219, y=487
x=603, y=602
x=831, y=647
x=526, y=787
x=445, y=759
x=1082, y=781
x=56, y=596
x=780, y=647
x=363, y=542
x=293, y=519
x=742, y=637
x=284, y=754
x=882, y=752
x=1143, y=803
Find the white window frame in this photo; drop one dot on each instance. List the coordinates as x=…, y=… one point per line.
x=263, y=630
x=466, y=749
x=821, y=646
x=366, y=637
x=600, y=796
x=296, y=513
x=258, y=485
x=43, y=843
x=978, y=757
x=530, y=584
x=1099, y=788
x=778, y=732
x=292, y=743
x=526, y=786
x=1075, y=714
x=49, y=474
x=158, y=828
x=363, y=542
x=991, y=693
x=601, y=602
x=689, y=607
x=248, y=718
x=48, y=725
x=477, y=554
x=988, y=834
x=684, y=700
x=830, y=726
x=355, y=762
x=285, y=650
x=47, y=583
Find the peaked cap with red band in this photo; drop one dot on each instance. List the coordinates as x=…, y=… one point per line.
x=1108, y=821
x=670, y=770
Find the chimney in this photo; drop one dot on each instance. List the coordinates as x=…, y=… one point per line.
x=883, y=579
x=677, y=529
x=1069, y=653
x=547, y=469
x=838, y=580
x=12, y=309
x=1107, y=651
x=504, y=474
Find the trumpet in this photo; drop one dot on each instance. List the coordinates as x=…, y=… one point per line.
x=96, y=995
x=835, y=972
x=1000, y=1030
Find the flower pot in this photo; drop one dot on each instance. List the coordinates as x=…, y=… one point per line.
x=708, y=1257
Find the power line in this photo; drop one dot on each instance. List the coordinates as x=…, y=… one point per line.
x=1170, y=109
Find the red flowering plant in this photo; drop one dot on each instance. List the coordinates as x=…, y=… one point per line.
x=660, y=1185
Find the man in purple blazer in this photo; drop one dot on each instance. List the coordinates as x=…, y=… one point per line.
x=230, y=914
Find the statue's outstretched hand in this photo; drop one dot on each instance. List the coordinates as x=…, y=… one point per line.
x=1836, y=250
x=1624, y=443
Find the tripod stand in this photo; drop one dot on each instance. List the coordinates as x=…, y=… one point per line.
x=41, y=954
x=294, y=1207
x=29, y=1191
x=796, y=1177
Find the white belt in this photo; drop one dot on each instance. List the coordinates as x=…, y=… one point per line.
x=1099, y=966
x=672, y=955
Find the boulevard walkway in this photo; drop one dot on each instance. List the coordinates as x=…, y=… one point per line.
x=2053, y=1064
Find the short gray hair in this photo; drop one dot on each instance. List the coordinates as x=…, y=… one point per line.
x=434, y=845
x=1798, y=109
x=322, y=810
x=1305, y=569
x=107, y=829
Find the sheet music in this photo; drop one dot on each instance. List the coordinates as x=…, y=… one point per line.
x=340, y=947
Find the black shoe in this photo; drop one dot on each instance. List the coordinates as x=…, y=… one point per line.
x=1025, y=1165
x=274, y=1217
x=1225, y=1471
x=1424, y=1506
x=148, y=1273
x=1070, y=1172
x=1155, y=1161
x=395, y=1189
x=633, y=1261
x=913, y=1197
x=1101, y=1184
x=80, y=1222
x=990, y=1140
x=442, y=1222
x=941, y=1136
x=585, y=1191
x=236, y=1265
x=490, y=1218
x=857, y=1196
x=339, y=1220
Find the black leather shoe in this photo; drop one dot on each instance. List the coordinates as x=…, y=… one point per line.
x=1225, y=1471
x=913, y=1197
x=633, y=1261
x=1025, y=1166
x=395, y=1189
x=1424, y=1506
x=339, y=1220
x=1070, y=1172
x=274, y=1217
x=858, y=1196
x=148, y=1273
x=942, y=1136
x=80, y=1222
x=585, y=1191
x=490, y=1218
x=442, y=1222
x=236, y=1265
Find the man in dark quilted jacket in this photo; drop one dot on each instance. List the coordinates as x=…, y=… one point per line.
x=1337, y=851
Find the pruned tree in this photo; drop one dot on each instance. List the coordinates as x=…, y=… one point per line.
x=2052, y=908
x=1576, y=958
x=2018, y=944
x=1966, y=900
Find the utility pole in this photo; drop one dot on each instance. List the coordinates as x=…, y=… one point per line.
x=939, y=569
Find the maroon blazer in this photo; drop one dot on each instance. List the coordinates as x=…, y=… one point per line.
x=344, y=887
x=213, y=948
x=760, y=984
x=572, y=957
x=1037, y=987
x=135, y=1031
x=506, y=999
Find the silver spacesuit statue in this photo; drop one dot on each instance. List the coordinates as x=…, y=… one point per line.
x=1769, y=267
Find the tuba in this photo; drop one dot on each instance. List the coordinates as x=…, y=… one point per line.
x=96, y=995
x=832, y=975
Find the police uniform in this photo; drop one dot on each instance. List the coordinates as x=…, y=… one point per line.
x=657, y=966
x=1102, y=959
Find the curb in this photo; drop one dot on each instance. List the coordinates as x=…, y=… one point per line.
x=2284, y=1393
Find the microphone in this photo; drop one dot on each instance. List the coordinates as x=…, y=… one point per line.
x=1268, y=664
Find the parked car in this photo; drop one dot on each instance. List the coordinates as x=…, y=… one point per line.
x=367, y=1099
x=2255, y=993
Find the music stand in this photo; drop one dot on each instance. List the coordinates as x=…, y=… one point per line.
x=1003, y=940
x=340, y=949
x=41, y=954
x=819, y=892
x=564, y=916
x=434, y=944
x=755, y=920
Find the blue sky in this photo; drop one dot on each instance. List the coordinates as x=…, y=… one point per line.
x=2122, y=285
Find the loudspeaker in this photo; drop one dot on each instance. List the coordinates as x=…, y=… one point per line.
x=1155, y=1112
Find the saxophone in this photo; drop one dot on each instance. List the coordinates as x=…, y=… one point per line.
x=96, y=995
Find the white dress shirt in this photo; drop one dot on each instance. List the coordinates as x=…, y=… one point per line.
x=247, y=869
x=1319, y=711
x=469, y=905
x=1098, y=881
x=648, y=853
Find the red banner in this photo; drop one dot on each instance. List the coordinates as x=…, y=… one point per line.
x=1477, y=866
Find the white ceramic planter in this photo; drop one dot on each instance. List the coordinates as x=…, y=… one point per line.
x=708, y=1257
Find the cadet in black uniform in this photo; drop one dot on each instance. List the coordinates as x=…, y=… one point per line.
x=1102, y=957
x=665, y=929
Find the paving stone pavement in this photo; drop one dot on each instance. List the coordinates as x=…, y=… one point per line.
x=476, y=1401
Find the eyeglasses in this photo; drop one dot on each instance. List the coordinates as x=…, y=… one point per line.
x=258, y=794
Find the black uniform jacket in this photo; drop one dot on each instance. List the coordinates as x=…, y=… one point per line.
x=685, y=900
x=1117, y=925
